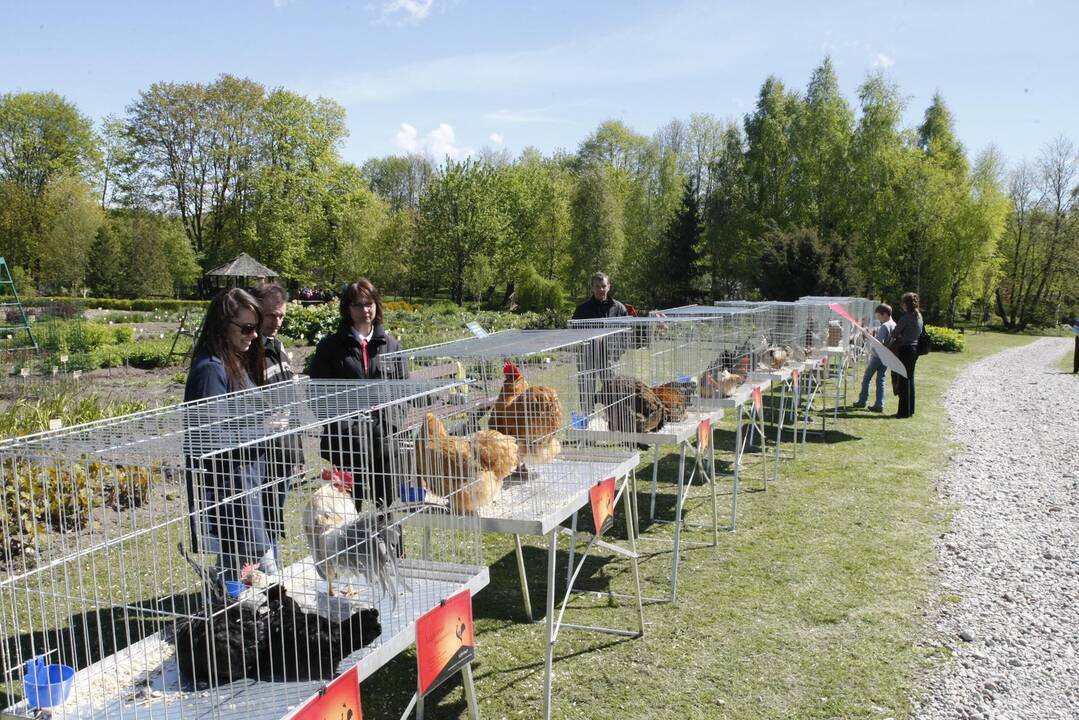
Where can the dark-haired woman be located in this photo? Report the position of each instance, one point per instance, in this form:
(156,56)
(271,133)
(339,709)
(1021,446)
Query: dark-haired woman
(356,351)
(904,343)
(229,500)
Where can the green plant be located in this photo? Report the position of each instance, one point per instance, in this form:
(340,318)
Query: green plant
(128,486)
(537,294)
(945,339)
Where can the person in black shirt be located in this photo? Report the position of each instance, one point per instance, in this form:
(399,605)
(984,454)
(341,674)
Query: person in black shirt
(601,304)
(594,362)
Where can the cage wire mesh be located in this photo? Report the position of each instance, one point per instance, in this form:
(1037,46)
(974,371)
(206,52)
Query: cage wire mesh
(223,558)
(739,344)
(784,328)
(529,390)
(659,362)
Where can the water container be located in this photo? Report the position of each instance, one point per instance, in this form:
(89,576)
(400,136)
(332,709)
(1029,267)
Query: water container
(47,685)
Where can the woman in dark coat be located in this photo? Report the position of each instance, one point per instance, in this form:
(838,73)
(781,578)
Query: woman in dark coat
(227,359)
(357,351)
(904,343)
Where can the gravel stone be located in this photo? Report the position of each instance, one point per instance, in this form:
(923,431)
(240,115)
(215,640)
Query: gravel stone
(1010,554)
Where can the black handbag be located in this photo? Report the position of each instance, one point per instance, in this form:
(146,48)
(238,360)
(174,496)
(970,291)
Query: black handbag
(924,343)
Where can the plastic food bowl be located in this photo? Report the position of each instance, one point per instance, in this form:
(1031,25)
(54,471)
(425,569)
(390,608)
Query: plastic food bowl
(47,685)
(235,588)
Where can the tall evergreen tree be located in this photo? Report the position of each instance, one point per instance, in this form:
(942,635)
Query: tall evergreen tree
(678,261)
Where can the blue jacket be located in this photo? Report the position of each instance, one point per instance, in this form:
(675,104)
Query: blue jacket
(207,378)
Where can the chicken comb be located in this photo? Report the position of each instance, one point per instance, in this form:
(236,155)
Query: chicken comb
(341,478)
(511,369)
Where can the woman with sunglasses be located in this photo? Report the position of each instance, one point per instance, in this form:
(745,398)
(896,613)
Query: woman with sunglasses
(357,352)
(232,500)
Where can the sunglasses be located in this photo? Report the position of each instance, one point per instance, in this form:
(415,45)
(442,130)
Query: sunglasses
(246,328)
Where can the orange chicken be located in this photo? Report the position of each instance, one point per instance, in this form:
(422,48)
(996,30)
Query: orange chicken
(469,471)
(532,414)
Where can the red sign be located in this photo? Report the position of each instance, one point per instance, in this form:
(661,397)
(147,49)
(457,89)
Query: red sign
(704,434)
(340,700)
(445,641)
(758,400)
(796,376)
(824,362)
(602,497)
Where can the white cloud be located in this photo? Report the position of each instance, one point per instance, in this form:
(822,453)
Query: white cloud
(414,10)
(883,61)
(496,138)
(407,138)
(439,143)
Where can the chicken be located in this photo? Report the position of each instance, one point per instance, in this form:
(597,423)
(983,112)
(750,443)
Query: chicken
(631,406)
(469,471)
(532,414)
(717,383)
(675,397)
(776,357)
(344,541)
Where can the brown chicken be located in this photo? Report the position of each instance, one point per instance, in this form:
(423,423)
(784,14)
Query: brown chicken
(532,414)
(720,383)
(469,471)
(674,399)
(776,357)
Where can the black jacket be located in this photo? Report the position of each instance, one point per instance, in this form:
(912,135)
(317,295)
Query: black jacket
(278,367)
(340,357)
(592,309)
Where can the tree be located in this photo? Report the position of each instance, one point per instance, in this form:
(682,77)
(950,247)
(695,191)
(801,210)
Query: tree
(460,220)
(107,265)
(598,233)
(769,153)
(821,143)
(727,218)
(72,217)
(44,140)
(1041,242)
(678,263)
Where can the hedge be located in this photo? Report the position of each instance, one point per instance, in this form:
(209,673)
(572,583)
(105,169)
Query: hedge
(945,339)
(140,304)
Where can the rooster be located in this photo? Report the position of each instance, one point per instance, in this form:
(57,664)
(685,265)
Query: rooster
(344,541)
(469,471)
(532,414)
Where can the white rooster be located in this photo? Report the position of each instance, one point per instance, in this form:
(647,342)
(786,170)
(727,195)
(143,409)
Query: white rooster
(345,542)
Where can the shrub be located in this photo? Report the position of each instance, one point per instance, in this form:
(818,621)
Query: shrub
(310,322)
(945,339)
(138,304)
(537,294)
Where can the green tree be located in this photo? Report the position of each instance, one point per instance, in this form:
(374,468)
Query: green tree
(461,218)
(72,217)
(770,158)
(678,267)
(727,221)
(107,263)
(598,233)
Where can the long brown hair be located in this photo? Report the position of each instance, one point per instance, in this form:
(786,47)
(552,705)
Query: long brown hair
(910,299)
(214,340)
(360,291)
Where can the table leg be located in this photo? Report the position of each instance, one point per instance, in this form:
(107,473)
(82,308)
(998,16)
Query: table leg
(523,577)
(548,660)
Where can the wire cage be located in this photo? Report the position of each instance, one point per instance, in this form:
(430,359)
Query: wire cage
(784,327)
(538,390)
(739,347)
(225,557)
(536,387)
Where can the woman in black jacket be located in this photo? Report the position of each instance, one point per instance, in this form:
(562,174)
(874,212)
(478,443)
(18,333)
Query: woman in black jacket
(904,343)
(357,351)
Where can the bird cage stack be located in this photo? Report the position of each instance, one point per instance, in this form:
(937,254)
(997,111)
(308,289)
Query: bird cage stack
(206,560)
(530,394)
(653,400)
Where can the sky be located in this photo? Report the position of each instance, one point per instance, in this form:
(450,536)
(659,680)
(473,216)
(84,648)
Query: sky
(449,77)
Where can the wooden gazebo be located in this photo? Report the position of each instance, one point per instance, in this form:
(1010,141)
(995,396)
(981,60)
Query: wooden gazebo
(239,271)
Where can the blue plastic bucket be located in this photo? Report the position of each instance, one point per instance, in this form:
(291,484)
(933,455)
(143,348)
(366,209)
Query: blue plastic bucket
(578,421)
(47,685)
(412,493)
(235,588)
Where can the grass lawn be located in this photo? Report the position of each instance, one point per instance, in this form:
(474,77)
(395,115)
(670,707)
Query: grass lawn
(813,609)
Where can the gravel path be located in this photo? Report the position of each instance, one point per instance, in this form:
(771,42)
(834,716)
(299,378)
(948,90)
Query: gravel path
(1009,566)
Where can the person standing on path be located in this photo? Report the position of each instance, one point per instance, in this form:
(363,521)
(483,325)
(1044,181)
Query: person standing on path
(601,304)
(904,343)
(875,367)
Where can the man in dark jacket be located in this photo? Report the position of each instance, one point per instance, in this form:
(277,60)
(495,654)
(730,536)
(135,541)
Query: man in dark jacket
(601,304)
